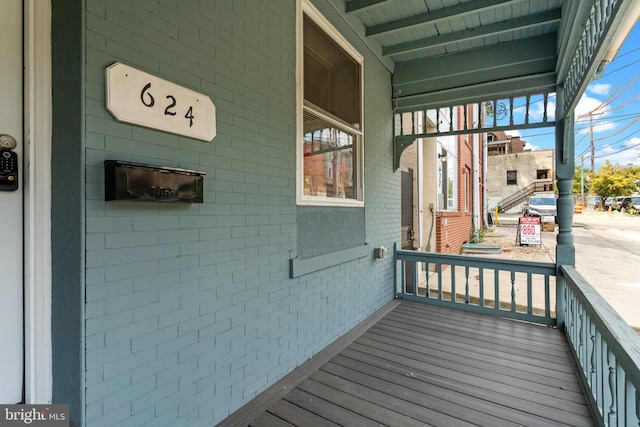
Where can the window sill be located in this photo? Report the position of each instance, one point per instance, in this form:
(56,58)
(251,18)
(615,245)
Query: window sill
(321,201)
(299,267)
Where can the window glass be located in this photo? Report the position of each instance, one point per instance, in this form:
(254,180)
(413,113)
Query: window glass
(512,177)
(330,151)
(329,167)
(447,167)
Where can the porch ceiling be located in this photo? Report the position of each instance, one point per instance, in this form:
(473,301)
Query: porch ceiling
(453,52)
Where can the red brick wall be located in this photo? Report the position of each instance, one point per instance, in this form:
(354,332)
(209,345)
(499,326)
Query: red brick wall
(454,228)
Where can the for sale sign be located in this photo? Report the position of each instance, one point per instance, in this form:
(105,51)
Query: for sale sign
(529,230)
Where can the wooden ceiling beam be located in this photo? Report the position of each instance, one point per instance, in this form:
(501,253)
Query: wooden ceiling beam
(356,5)
(510,25)
(431,17)
(483,61)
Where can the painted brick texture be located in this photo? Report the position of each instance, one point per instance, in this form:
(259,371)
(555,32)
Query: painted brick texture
(190,311)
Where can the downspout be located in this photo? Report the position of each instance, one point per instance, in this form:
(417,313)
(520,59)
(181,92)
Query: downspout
(485,173)
(476,166)
(420,191)
(485,208)
(476,184)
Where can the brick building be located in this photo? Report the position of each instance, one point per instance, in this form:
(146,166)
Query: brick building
(447,187)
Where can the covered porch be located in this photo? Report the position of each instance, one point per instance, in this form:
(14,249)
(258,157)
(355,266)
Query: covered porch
(444,352)
(447,352)
(421,365)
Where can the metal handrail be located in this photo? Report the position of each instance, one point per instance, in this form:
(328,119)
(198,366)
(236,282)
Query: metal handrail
(517,197)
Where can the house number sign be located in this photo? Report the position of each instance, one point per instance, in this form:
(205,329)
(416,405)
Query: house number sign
(143,99)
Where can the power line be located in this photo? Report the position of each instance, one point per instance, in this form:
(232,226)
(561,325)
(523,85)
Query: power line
(608,118)
(621,68)
(618,152)
(618,141)
(622,55)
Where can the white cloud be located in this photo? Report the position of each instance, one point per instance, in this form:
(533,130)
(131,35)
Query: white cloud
(599,88)
(531,147)
(588,105)
(537,111)
(616,155)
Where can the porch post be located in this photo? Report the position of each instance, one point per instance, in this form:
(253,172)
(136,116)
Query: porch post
(565,169)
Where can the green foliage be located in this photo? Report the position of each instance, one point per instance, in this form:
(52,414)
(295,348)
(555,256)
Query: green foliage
(477,235)
(614,180)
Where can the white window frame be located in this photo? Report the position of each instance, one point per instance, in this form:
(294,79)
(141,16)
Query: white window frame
(448,146)
(306,8)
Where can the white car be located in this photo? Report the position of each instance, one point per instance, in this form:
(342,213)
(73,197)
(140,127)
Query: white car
(541,205)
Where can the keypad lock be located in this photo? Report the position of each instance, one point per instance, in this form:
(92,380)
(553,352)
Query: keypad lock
(8,170)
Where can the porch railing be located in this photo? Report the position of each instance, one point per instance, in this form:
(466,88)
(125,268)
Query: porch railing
(606,350)
(604,347)
(506,288)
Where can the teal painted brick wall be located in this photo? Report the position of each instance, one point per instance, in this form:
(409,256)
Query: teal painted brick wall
(190,311)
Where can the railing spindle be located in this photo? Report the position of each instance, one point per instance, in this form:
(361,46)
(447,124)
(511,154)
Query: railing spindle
(638,406)
(496,290)
(580,337)
(439,281)
(511,111)
(449,270)
(529,294)
(547,297)
(513,291)
(427,290)
(612,388)
(453,282)
(481,285)
(592,372)
(466,285)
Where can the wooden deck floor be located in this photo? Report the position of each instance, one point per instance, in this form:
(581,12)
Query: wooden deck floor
(425,365)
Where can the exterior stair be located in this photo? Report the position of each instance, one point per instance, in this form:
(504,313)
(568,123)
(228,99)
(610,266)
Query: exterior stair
(521,195)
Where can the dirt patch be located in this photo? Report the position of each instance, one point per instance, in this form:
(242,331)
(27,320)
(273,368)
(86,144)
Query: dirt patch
(505,237)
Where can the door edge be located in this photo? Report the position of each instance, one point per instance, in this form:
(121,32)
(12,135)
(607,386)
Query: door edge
(37,201)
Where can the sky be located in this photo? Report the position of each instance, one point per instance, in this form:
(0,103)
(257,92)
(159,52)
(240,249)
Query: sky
(610,108)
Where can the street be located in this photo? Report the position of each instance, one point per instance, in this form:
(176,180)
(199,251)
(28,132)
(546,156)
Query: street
(608,256)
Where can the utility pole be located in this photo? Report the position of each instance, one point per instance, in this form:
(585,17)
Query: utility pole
(591,144)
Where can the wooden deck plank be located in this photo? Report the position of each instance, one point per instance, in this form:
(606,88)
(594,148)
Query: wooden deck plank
(516,337)
(511,398)
(344,396)
(492,382)
(489,340)
(492,363)
(489,326)
(328,410)
(482,349)
(444,385)
(298,416)
(424,365)
(420,406)
(435,391)
(469,350)
(267,419)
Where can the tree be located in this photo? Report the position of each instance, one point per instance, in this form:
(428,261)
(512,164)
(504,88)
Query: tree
(614,180)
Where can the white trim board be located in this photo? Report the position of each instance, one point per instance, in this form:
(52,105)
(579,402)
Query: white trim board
(37,215)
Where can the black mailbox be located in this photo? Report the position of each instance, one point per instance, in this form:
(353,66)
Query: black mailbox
(137,181)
